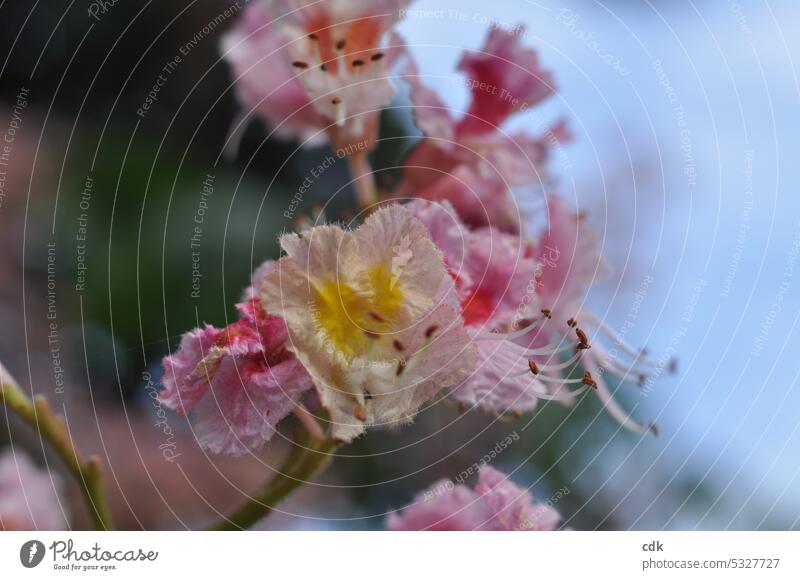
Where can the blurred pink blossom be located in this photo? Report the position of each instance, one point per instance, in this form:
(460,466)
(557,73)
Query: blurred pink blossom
(238,382)
(472,162)
(316,68)
(29,496)
(496,504)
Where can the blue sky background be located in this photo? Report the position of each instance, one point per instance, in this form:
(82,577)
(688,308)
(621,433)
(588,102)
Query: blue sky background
(722,246)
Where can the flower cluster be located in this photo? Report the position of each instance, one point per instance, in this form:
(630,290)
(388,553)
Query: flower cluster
(496,504)
(443,295)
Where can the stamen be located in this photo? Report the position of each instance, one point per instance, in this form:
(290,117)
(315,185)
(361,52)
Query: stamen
(572,323)
(618,341)
(341,44)
(377,56)
(547,312)
(589,381)
(401,366)
(341,111)
(358,62)
(557,397)
(313,37)
(581,336)
(610,404)
(534,368)
(429,332)
(398,345)
(535,325)
(360,413)
(300,64)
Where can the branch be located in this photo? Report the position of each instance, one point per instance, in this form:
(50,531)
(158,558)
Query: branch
(307,459)
(38,414)
(363,179)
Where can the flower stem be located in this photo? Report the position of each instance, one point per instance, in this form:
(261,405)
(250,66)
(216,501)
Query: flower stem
(39,415)
(363,179)
(307,459)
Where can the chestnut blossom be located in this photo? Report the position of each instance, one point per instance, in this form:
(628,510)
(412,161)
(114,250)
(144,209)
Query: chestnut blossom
(313,68)
(367,318)
(471,161)
(29,496)
(496,504)
(521,301)
(237,382)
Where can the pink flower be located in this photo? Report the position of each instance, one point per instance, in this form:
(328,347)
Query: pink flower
(496,504)
(238,382)
(367,320)
(29,496)
(520,302)
(472,162)
(313,68)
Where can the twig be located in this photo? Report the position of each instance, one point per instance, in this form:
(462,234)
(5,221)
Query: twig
(39,415)
(307,459)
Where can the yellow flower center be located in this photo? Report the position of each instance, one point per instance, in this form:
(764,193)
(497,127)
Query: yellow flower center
(352,317)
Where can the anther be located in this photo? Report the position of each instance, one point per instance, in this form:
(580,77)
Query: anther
(431,330)
(572,323)
(374,315)
(300,64)
(588,380)
(398,345)
(533,366)
(377,56)
(653,429)
(547,312)
(673,366)
(340,45)
(358,62)
(371,333)
(401,366)
(322,67)
(313,37)
(582,336)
